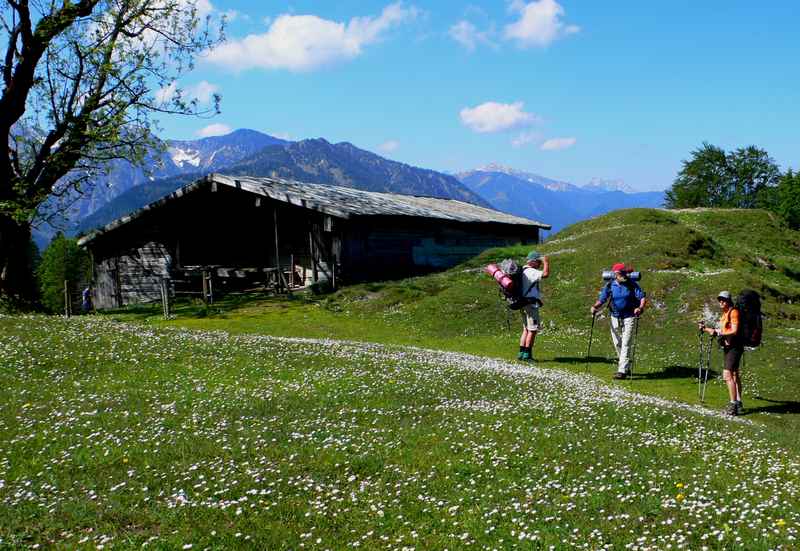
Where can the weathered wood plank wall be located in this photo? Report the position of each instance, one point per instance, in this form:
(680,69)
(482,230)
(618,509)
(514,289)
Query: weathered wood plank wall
(233,229)
(385,248)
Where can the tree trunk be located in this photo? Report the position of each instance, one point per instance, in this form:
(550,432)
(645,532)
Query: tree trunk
(16,277)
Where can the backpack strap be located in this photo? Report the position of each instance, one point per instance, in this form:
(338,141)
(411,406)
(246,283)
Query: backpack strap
(610,298)
(531,286)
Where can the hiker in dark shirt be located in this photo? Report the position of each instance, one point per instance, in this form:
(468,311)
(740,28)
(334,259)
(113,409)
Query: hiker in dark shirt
(86,299)
(627,302)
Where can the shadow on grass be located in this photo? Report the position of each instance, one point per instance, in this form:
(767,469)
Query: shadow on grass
(778,406)
(674,372)
(583,359)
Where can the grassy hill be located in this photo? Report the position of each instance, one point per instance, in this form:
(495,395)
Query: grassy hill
(687,257)
(125,433)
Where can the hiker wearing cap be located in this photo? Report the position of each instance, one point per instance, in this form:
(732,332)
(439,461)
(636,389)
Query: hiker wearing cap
(627,302)
(732,349)
(537,268)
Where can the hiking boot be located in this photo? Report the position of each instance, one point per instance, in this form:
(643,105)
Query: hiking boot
(739,408)
(730,409)
(620,375)
(525,357)
(520,355)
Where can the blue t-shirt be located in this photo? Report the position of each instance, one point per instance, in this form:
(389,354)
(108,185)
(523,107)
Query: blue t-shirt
(625,298)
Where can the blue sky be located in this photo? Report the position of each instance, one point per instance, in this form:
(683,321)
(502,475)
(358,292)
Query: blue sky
(567,89)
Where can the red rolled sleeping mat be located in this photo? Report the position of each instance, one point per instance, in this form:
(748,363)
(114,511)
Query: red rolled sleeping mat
(499,276)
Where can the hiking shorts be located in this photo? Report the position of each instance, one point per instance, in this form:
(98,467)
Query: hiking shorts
(732,358)
(530,317)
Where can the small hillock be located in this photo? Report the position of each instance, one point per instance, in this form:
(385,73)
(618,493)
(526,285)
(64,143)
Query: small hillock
(686,257)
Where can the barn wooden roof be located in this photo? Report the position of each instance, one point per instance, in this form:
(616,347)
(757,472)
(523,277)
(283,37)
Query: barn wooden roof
(337,201)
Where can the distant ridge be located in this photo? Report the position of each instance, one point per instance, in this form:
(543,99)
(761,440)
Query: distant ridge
(559,203)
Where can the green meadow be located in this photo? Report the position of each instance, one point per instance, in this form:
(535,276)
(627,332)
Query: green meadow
(394,415)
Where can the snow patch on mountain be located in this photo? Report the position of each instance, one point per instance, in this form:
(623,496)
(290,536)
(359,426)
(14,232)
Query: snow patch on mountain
(183,157)
(596,184)
(545,182)
(601,184)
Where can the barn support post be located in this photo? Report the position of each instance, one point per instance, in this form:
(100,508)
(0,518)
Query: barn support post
(311,251)
(320,251)
(205,286)
(281,279)
(291,270)
(165,296)
(67,305)
(117,282)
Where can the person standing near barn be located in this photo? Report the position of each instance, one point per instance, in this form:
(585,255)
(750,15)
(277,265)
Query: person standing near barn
(86,299)
(537,268)
(627,301)
(732,349)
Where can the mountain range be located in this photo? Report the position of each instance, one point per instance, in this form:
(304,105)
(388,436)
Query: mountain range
(555,202)
(315,161)
(247,152)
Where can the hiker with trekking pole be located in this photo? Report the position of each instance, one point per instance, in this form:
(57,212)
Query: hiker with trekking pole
(732,349)
(627,301)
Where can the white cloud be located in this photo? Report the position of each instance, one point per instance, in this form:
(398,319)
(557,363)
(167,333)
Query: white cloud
(525,138)
(203,91)
(557,144)
(217,129)
(389,146)
(495,117)
(468,35)
(166,93)
(306,42)
(540,23)
(232,15)
(204,7)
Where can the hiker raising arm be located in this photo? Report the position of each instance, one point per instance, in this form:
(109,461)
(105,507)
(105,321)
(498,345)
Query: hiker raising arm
(537,267)
(545,267)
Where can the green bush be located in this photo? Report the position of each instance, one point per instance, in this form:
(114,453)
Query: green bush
(62,261)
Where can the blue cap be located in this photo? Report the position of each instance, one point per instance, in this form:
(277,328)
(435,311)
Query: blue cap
(533,255)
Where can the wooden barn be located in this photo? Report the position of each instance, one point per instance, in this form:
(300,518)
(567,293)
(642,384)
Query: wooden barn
(222,234)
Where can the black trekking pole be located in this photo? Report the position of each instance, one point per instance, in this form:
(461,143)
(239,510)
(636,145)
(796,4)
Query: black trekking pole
(591,333)
(707,366)
(635,338)
(700,364)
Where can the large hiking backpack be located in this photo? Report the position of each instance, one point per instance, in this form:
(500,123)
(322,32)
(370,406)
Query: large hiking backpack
(513,294)
(509,276)
(750,326)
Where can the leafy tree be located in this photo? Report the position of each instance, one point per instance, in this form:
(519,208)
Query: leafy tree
(753,172)
(787,199)
(82,82)
(701,181)
(714,178)
(62,261)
